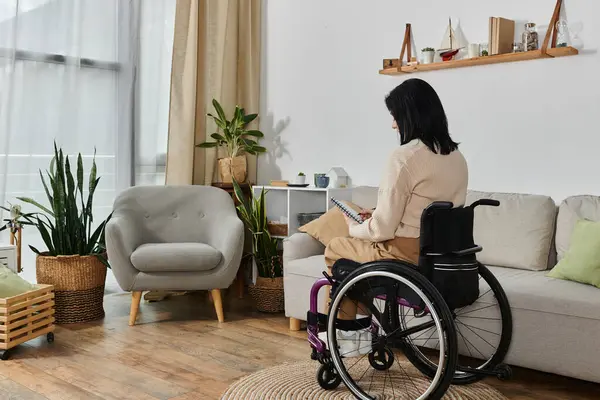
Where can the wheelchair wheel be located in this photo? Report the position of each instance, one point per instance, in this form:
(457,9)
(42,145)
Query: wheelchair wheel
(376,289)
(484,333)
(328,377)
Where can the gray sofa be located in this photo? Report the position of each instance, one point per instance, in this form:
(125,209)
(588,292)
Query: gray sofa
(556,323)
(174,238)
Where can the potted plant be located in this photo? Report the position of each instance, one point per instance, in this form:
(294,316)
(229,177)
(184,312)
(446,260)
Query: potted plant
(267,292)
(427,55)
(15,226)
(75,259)
(235,138)
(300,179)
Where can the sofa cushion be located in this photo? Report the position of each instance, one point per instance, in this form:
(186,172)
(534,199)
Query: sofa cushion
(570,211)
(329,226)
(311,267)
(534,291)
(175,257)
(581,263)
(12,284)
(518,233)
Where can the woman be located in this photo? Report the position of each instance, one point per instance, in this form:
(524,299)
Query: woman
(427,167)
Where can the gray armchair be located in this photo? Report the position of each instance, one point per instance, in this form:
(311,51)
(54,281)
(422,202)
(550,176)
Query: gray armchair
(174,238)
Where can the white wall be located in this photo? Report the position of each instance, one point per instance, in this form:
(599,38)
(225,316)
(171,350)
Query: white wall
(524,127)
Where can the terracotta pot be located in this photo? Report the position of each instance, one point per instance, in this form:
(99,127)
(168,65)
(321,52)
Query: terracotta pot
(268,294)
(78,286)
(236,167)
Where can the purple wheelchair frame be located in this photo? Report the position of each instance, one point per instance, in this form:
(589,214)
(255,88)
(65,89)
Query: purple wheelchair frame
(313,329)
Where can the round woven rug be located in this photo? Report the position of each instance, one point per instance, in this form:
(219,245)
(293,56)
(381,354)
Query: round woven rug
(298,381)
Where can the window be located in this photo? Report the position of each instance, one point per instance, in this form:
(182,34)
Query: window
(92,75)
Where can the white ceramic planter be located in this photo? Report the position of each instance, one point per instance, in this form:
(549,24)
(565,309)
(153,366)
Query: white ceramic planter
(427,57)
(300,180)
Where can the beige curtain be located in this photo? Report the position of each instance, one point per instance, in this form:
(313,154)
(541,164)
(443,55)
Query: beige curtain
(216,54)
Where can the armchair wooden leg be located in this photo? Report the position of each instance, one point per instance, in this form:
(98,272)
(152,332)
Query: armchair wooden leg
(295,324)
(216,296)
(135,306)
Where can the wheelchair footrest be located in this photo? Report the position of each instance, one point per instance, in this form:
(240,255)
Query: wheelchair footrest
(344,325)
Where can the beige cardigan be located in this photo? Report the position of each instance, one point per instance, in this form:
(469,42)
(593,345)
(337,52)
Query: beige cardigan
(414,178)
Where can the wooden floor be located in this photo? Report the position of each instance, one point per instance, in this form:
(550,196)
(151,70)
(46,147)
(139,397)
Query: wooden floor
(178,351)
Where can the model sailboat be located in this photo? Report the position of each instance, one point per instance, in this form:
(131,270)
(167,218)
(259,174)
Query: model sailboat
(452,42)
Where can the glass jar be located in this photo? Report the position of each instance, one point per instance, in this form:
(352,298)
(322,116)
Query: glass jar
(530,37)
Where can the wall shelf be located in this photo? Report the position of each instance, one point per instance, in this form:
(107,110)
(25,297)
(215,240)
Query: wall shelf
(547,49)
(470,62)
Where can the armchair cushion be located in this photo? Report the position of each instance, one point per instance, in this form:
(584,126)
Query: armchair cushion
(175,257)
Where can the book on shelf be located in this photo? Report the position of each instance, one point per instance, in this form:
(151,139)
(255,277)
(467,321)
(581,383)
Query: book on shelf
(501,35)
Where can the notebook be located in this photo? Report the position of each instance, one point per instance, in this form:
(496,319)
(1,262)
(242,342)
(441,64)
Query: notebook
(347,210)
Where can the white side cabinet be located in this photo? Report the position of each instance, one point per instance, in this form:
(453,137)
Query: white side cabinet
(8,256)
(285,203)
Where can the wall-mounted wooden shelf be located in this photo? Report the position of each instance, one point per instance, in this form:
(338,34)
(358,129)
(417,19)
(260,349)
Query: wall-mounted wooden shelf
(548,49)
(470,62)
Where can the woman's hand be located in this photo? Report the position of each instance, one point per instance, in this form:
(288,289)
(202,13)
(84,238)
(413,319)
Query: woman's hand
(365,214)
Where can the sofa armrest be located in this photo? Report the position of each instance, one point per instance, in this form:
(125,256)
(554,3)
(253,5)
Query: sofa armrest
(122,238)
(301,245)
(228,238)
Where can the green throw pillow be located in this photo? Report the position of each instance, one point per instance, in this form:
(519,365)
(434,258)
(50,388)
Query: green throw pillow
(581,262)
(12,284)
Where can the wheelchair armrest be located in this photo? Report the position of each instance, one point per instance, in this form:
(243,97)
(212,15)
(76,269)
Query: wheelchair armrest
(437,205)
(469,251)
(485,202)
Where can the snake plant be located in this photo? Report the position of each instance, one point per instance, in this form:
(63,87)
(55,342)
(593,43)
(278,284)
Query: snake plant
(264,248)
(66,225)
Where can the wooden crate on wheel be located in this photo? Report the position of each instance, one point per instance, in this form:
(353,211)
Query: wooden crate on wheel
(26,317)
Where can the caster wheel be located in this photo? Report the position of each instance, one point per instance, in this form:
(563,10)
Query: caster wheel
(381,360)
(328,377)
(504,372)
(50,337)
(4,355)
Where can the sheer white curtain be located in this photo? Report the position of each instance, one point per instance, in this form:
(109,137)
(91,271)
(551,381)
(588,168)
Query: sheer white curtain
(88,74)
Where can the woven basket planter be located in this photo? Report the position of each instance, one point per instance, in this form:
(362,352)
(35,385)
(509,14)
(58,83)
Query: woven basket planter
(236,167)
(78,286)
(267,294)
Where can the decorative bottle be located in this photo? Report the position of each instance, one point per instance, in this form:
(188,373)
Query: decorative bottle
(530,37)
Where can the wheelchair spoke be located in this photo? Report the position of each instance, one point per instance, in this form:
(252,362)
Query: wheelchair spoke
(401,368)
(480,329)
(429,338)
(481,337)
(464,340)
(468,341)
(485,318)
(391,383)
(478,309)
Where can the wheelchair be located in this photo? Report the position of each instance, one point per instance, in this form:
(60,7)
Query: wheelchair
(414,330)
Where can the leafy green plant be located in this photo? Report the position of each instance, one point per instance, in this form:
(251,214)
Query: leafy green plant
(301,174)
(232,134)
(428,49)
(264,247)
(484,53)
(66,229)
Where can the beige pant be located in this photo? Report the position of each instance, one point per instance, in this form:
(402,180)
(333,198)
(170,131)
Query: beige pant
(400,248)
